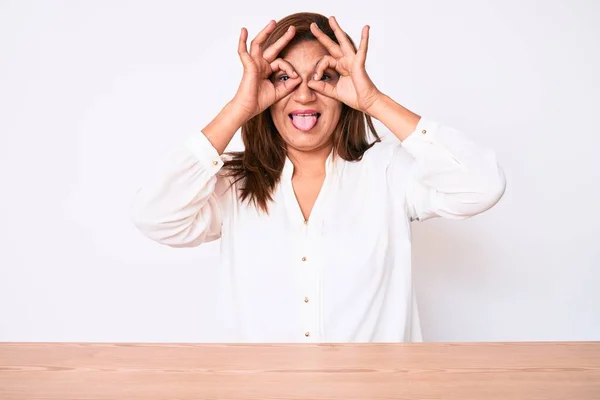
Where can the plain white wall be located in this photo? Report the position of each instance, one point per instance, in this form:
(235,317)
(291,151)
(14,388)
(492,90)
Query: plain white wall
(93,93)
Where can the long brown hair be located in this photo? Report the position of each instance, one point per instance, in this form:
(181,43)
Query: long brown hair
(260,165)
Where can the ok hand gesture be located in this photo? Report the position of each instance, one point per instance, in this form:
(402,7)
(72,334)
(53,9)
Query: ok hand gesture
(354,87)
(256,92)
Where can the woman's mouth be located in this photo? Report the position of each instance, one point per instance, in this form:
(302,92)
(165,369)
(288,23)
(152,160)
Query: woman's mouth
(304,120)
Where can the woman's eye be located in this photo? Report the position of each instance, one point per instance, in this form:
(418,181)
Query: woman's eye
(283,78)
(326,77)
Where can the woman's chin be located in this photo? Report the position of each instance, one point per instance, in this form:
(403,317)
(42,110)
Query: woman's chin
(306,141)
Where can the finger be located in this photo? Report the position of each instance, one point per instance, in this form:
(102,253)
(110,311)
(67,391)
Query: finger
(257,42)
(325,88)
(322,65)
(332,47)
(364,45)
(282,65)
(273,50)
(345,44)
(283,88)
(242,49)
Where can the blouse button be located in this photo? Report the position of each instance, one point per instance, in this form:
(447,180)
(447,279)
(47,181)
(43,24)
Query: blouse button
(215,163)
(306,299)
(303,258)
(424,131)
(307,334)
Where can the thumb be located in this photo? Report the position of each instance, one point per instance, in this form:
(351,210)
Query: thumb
(326,89)
(284,88)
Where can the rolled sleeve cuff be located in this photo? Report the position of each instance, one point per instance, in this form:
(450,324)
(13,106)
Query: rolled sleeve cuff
(418,143)
(204,151)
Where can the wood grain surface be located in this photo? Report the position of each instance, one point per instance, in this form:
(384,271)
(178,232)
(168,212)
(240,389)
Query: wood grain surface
(147,371)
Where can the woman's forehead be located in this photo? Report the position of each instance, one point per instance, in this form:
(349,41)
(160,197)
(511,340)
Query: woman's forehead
(305,53)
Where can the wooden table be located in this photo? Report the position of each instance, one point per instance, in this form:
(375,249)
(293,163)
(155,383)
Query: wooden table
(131,371)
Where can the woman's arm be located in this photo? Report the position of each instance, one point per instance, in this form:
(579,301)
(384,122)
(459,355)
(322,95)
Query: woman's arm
(180,205)
(451,176)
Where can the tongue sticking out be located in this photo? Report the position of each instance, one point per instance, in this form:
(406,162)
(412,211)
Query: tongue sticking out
(304,122)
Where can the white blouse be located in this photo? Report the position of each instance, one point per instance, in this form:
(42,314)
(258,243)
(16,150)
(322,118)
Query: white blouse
(344,275)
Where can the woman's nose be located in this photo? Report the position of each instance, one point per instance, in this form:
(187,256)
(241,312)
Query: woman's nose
(303,93)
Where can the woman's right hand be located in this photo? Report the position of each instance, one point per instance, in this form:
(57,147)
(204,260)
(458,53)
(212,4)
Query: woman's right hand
(257,92)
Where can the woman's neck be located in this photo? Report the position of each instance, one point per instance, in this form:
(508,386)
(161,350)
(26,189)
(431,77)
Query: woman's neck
(309,164)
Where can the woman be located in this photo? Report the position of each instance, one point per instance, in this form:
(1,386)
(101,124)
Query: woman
(314,219)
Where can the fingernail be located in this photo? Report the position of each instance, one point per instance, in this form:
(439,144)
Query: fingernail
(290,28)
(315,76)
(294,74)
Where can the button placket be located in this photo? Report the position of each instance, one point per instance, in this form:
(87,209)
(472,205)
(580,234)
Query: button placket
(307,265)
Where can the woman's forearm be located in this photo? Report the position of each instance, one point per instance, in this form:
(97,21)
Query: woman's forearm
(398,119)
(221,129)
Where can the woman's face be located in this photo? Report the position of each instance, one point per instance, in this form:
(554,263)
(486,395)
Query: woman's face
(306,119)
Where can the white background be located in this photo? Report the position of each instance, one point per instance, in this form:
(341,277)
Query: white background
(93,93)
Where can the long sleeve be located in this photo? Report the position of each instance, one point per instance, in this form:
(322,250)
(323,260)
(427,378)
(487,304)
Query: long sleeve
(451,176)
(180,206)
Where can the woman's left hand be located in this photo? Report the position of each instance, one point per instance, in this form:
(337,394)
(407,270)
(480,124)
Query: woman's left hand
(354,87)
